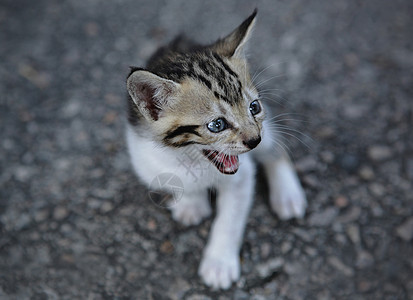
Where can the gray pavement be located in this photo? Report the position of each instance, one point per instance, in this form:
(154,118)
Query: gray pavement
(76,224)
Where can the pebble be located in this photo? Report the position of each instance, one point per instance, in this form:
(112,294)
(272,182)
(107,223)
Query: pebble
(327,156)
(341,201)
(353,233)
(377,189)
(265,250)
(326,132)
(352,215)
(23,173)
(405,230)
(348,162)
(364,286)
(340,266)
(311,180)
(41,215)
(106,207)
(364,259)
(152,225)
(178,289)
(60,213)
(323,218)
(379,152)
(366,173)
(306,164)
(286,247)
(167,247)
(269,267)
(198,297)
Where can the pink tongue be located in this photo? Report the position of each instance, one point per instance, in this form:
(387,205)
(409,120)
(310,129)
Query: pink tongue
(229,161)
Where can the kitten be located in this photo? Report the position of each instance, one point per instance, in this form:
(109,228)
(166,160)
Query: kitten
(194,112)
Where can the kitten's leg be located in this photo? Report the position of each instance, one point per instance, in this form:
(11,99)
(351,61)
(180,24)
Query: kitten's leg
(220,265)
(192,208)
(287,197)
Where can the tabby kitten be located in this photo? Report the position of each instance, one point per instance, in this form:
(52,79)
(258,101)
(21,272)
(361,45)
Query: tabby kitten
(196,103)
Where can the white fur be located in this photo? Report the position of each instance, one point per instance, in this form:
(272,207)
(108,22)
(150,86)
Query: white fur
(220,265)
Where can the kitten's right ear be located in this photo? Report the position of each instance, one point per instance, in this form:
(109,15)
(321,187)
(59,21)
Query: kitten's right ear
(234,43)
(150,92)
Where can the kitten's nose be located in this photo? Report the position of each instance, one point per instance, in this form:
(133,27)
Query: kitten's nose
(252,143)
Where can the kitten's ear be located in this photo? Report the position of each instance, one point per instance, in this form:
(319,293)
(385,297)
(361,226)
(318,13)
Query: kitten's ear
(150,92)
(234,43)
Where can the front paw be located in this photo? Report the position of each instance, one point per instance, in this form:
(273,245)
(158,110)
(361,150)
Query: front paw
(289,200)
(219,272)
(191,213)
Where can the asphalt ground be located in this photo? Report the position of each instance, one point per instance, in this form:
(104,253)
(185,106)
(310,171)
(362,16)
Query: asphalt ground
(76,224)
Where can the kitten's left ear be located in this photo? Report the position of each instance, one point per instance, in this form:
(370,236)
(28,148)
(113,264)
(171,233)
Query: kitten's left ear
(234,43)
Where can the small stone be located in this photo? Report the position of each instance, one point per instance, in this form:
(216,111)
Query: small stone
(265,250)
(353,233)
(341,201)
(178,289)
(340,266)
(242,295)
(377,189)
(41,215)
(306,164)
(405,230)
(198,297)
(167,247)
(364,286)
(327,156)
(91,29)
(286,247)
(325,132)
(379,152)
(311,180)
(110,117)
(366,173)
(303,234)
(60,213)
(23,173)
(269,267)
(106,207)
(364,259)
(349,162)
(311,251)
(152,225)
(323,218)
(352,215)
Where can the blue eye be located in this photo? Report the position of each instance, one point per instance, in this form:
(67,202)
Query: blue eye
(255,107)
(217,125)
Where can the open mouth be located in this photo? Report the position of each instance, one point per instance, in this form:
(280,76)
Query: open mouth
(226,164)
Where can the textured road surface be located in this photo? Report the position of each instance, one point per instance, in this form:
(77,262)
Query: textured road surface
(76,224)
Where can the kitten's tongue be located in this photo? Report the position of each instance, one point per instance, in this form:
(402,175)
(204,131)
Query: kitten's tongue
(227,164)
(230,162)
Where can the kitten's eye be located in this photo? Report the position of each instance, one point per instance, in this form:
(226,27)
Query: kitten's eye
(217,125)
(255,107)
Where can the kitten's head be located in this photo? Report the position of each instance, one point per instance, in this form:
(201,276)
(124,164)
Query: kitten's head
(203,97)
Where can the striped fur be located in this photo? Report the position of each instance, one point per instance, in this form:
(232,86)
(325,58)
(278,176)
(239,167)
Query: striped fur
(185,86)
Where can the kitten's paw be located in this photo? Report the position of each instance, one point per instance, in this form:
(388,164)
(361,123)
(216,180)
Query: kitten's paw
(289,200)
(219,272)
(191,213)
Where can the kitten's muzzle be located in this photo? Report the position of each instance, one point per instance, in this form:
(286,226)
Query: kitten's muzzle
(251,144)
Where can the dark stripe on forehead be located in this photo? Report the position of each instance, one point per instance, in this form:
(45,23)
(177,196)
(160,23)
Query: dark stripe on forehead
(205,81)
(191,129)
(226,67)
(222,97)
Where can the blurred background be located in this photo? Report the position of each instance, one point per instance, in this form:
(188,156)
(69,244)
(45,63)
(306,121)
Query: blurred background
(76,224)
